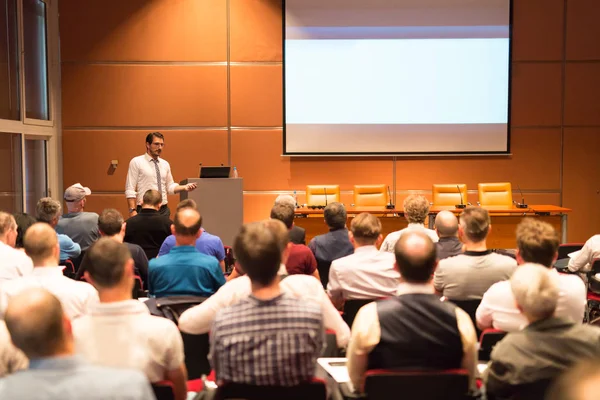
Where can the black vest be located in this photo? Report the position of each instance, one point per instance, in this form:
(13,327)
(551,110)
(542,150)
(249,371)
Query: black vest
(418,331)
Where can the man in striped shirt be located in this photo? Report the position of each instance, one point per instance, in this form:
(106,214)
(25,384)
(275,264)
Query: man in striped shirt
(270,338)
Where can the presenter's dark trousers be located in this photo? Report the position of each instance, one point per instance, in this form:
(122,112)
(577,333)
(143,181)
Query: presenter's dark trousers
(163,210)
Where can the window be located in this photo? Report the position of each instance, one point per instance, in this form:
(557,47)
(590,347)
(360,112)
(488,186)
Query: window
(11,173)
(9,61)
(35,60)
(36,181)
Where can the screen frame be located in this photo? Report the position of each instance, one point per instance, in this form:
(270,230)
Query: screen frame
(403,154)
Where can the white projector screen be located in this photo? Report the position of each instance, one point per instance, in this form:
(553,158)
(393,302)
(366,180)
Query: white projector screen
(396,77)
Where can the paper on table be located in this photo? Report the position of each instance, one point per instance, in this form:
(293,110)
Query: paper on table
(335,367)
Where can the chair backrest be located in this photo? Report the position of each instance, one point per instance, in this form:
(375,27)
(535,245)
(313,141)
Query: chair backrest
(495,194)
(313,390)
(566,248)
(316,194)
(595,266)
(449,194)
(351,308)
(470,307)
(422,385)
(323,267)
(229,259)
(370,195)
(138,288)
(163,390)
(488,339)
(69,270)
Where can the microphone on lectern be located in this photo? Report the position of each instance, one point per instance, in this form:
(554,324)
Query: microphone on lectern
(522,203)
(462,203)
(390,205)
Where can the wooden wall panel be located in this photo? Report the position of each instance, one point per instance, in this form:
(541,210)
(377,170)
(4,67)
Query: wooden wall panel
(256,95)
(144,95)
(536,94)
(112,30)
(582,99)
(87,154)
(583,30)
(256,30)
(538,35)
(581,190)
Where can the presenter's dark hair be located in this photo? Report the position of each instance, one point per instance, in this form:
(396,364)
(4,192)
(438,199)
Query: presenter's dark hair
(150,137)
(258,251)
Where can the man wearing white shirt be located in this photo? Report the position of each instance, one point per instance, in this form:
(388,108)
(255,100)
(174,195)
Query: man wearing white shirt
(583,260)
(199,319)
(366,274)
(416,209)
(149,171)
(41,244)
(13,263)
(537,242)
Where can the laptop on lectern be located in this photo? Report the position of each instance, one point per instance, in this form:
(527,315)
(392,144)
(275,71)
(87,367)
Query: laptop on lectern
(214,172)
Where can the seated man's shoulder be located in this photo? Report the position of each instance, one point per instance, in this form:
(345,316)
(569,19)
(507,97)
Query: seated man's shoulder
(571,284)
(116,377)
(502,259)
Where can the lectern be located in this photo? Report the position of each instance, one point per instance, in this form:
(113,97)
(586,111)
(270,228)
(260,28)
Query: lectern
(221,204)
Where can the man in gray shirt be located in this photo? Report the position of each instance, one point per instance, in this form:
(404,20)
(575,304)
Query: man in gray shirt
(469,275)
(39,328)
(79,225)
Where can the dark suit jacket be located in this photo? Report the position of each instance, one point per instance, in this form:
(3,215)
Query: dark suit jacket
(298,235)
(148,229)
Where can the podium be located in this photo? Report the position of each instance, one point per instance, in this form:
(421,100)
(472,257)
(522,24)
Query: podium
(221,204)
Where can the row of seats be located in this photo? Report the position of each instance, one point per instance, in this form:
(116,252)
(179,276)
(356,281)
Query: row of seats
(490,194)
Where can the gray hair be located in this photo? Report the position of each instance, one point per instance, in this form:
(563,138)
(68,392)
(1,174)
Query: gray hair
(535,290)
(285,199)
(47,209)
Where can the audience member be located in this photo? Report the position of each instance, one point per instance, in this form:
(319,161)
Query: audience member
(11,358)
(334,244)
(79,225)
(271,337)
(297,233)
(185,271)
(548,345)
(120,331)
(42,331)
(41,244)
(581,382)
(416,209)
(48,211)
(112,225)
(468,275)
(148,229)
(208,244)
(582,262)
(300,260)
(537,242)
(199,319)
(13,263)
(24,221)
(446,227)
(414,329)
(366,274)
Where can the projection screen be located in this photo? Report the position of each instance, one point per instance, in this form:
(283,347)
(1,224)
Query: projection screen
(396,77)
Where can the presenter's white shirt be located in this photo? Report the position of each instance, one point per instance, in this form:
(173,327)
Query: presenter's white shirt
(498,308)
(76,297)
(141,177)
(392,238)
(13,263)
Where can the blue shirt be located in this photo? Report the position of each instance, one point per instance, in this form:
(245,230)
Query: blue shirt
(208,244)
(184,272)
(68,248)
(71,378)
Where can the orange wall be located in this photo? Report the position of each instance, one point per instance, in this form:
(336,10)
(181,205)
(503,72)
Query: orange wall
(207,73)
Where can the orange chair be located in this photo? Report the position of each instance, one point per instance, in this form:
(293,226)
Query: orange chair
(449,194)
(370,196)
(495,194)
(321,195)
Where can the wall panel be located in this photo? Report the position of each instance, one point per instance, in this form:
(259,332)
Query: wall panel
(256,95)
(583,30)
(256,27)
(538,35)
(582,99)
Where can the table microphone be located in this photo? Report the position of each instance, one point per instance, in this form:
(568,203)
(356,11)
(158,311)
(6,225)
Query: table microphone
(522,203)
(390,205)
(462,203)
(325,190)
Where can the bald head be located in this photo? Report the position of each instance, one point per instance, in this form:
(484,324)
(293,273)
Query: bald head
(41,244)
(446,224)
(187,222)
(37,324)
(416,257)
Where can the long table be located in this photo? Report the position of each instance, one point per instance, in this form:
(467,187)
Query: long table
(502,235)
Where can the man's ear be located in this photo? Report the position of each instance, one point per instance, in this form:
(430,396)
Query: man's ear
(519,257)
(379,241)
(123,228)
(172,229)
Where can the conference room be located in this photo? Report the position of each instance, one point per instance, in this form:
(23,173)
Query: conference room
(228,105)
